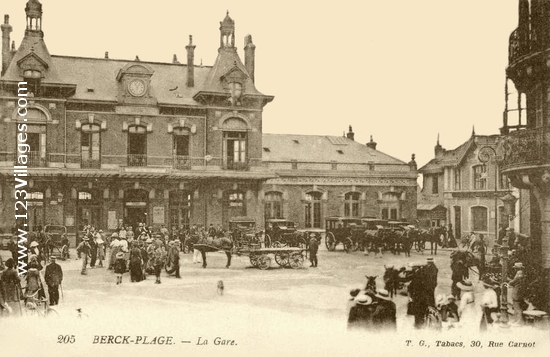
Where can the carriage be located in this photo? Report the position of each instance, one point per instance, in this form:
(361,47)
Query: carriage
(292,257)
(343,230)
(283,233)
(53,242)
(243,232)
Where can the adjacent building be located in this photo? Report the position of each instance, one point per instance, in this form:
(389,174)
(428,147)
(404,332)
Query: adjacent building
(468,187)
(321,176)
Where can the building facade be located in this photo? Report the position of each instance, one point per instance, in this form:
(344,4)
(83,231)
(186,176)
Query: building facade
(526,136)
(322,176)
(468,188)
(111,141)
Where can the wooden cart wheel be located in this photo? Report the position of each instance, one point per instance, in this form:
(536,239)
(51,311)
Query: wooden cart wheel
(267,241)
(330,241)
(296,260)
(254,260)
(264,262)
(348,244)
(282,259)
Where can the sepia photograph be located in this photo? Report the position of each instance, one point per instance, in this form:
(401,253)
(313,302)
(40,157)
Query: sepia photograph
(275,178)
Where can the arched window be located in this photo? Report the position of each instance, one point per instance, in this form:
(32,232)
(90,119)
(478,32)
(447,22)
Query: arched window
(235,139)
(313,210)
(351,204)
(390,206)
(273,205)
(479,219)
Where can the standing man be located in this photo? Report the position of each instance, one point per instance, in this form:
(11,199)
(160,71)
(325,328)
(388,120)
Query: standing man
(313,249)
(459,273)
(431,280)
(516,286)
(12,247)
(93,247)
(174,254)
(84,250)
(9,281)
(53,277)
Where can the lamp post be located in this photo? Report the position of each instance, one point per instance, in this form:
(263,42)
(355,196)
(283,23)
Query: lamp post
(509,207)
(484,156)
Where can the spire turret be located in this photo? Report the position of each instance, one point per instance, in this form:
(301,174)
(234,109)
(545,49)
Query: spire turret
(33,9)
(227,32)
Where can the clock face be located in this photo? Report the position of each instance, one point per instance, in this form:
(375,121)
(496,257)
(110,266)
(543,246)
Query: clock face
(136,88)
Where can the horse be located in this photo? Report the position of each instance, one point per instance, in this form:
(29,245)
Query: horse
(371,284)
(213,245)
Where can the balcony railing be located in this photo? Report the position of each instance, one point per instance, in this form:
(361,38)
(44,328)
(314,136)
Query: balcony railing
(524,148)
(237,166)
(181,162)
(37,159)
(90,164)
(137,160)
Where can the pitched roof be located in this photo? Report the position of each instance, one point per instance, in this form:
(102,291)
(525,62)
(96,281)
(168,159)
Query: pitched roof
(456,156)
(319,148)
(100,74)
(429,207)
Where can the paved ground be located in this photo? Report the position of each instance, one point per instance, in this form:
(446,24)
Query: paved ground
(274,311)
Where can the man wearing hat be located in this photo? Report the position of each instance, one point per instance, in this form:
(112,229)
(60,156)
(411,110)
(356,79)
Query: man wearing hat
(313,249)
(516,285)
(360,314)
(431,272)
(53,277)
(84,250)
(489,303)
(384,316)
(9,281)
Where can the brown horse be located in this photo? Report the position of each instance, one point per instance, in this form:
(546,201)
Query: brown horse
(214,245)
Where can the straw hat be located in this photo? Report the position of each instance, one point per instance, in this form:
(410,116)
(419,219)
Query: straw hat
(34,244)
(363,299)
(518,265)
(383,294)
(465,285)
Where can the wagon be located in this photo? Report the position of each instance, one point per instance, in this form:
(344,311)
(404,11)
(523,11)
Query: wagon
(292,257)
(53,242)
(339,230)
(282,233)
(243,232)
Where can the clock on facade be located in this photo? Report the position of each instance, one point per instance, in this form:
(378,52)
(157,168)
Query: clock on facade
(136,87)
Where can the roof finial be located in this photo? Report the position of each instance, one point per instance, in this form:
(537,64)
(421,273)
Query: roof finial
(137,58)
(473,130)
(437,138)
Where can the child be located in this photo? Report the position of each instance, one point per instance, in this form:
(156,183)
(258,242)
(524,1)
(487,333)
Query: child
(120,267)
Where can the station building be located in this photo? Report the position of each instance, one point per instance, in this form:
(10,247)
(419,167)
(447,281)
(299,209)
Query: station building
(126,141)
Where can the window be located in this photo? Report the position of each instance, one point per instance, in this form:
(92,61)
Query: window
(480,177)
(393,214)
(273,205)
(36,139)
(313,210)
(84,196)
(351,204)
(236,199)
(390,205)
(385,213)
(137,145)
(458,180)
(479,219)
(180,208)
(504,182)
(180,148)
(90,146)
(234,150)
(435,184)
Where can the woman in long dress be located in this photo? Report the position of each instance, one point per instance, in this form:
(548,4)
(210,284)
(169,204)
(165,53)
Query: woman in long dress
(468,310)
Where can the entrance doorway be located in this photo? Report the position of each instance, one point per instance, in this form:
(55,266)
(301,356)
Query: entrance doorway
(135,207)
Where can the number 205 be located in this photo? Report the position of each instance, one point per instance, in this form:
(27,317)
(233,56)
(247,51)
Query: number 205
(65,339)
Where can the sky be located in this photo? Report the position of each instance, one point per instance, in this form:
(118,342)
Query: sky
(402,71)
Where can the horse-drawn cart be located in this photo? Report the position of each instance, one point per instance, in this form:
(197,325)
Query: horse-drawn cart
(292,257)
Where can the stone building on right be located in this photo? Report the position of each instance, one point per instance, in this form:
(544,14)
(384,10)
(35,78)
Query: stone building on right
(525,141)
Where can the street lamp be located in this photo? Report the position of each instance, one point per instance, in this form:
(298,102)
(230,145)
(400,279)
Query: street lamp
(509,207)
(484,156)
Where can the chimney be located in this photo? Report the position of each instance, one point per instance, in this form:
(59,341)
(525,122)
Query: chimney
(438,149)
(190,62)
(350,135)
(6,55)
(249,49)
(412,163)
(106,54)
(371,144)
(175,59)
